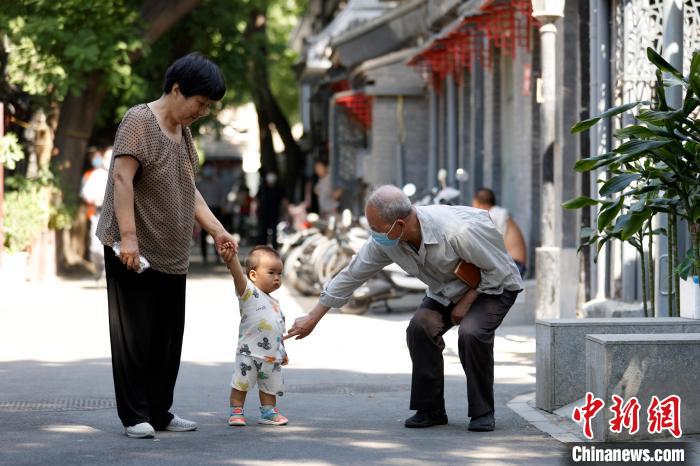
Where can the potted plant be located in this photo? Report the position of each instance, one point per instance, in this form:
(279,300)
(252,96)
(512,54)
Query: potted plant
(656,169)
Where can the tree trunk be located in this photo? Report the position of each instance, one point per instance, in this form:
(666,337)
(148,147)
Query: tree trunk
(652,278)
(77,117)
(161,15)
(676,277)
(671,238)
(294,179)
(268,158)
(695,238)
(644,275)
(267,105)
(79,111)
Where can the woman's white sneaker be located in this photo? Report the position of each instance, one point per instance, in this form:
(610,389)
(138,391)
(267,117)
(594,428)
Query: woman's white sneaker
(180,425)
(142,430)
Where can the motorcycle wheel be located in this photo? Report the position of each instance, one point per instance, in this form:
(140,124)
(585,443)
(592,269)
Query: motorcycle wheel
(356,306)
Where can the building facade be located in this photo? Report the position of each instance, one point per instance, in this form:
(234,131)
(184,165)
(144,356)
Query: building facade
(442,84)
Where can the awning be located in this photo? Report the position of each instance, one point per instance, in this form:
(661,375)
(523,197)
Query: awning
(500,24)
(351,17)
(386,33)
(389,75)
(358,104)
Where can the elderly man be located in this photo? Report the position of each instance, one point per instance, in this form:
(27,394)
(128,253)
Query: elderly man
(429,242)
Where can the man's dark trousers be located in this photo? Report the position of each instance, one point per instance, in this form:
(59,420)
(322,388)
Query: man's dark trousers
(476,335)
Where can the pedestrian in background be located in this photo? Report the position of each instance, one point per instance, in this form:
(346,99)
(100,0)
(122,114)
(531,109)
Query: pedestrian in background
(485,199)
(213,192)
(242,209)
(92,192)
(271,202)
(328,198)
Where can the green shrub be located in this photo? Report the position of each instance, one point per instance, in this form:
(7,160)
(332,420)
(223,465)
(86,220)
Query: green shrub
(10,151)
(25,218)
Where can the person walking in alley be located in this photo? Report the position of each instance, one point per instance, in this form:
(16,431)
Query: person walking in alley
(485,199)
(92,192)
(430,242)
(271,202)
(212,190)
(328,198)
(241,210)
(150,207)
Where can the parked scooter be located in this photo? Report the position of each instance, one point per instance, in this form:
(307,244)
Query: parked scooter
(316,255)
(392,282)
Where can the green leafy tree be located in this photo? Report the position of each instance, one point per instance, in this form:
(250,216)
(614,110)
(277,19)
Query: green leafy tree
(249,43)
(95,59)
(656,169)
(71,52)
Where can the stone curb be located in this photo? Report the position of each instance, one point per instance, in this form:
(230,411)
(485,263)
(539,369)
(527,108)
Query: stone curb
(551,424)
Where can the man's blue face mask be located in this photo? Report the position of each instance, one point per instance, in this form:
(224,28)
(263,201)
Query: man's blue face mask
(382,239)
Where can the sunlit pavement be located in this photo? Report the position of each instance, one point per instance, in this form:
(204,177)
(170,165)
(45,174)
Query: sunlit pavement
(347,388)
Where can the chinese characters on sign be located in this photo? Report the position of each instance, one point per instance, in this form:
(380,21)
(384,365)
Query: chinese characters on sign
(661,415)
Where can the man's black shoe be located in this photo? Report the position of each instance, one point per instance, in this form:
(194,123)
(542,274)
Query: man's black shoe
(427,418)
(484,423)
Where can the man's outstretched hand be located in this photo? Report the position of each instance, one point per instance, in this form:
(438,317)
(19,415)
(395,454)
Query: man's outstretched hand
(302,327)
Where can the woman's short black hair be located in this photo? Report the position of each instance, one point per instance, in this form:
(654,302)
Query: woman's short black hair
(195,74)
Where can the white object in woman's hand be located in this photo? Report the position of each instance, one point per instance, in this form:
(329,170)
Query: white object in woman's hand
(128,252)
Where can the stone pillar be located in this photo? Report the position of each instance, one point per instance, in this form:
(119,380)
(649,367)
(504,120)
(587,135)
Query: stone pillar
(553,264)
(433,144)
(599,51)
(672,51)
(451,130)
(476,102)
(465,153)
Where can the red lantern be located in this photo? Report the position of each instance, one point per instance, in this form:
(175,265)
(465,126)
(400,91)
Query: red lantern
(359,105)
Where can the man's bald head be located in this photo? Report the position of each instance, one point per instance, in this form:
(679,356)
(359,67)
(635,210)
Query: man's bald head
(388,203)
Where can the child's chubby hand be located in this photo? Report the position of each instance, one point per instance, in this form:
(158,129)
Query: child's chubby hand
(285,361)
(228,254)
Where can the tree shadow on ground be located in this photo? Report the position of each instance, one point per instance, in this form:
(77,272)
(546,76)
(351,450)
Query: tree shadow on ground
(336,417)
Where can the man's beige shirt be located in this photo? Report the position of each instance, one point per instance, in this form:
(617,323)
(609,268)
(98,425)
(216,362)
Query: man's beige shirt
(449,234)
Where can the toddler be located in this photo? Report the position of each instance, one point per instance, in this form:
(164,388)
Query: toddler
(260,354)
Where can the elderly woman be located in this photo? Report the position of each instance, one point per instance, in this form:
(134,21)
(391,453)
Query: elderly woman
(150,206)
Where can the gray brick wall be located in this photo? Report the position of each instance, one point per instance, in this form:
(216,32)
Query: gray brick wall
(417,127)
(517,155)
(488,125)
(347,140)
(496,140)
(383,166)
